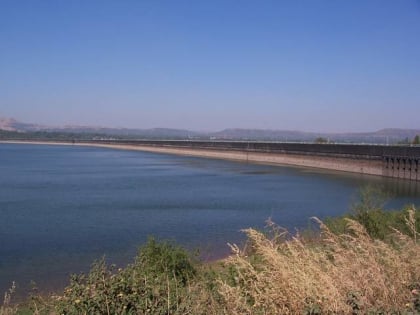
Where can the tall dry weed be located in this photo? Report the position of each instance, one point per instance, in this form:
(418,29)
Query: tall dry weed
(7,308)
(341,274)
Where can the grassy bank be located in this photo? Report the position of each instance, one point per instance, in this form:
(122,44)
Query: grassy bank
(367,262)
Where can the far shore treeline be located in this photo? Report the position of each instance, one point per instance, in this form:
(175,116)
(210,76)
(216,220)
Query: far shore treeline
(167,134)
(58,136)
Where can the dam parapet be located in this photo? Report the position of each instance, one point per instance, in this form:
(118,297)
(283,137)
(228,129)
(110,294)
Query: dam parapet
(394,161)
(397,161)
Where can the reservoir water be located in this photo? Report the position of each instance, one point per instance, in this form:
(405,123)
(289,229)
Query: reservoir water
(61,207)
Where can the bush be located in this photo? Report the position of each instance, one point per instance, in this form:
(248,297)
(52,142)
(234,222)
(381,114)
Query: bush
(379,224)
(156,283)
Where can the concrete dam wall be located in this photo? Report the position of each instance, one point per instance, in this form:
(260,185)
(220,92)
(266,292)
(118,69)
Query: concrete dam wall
(390,161)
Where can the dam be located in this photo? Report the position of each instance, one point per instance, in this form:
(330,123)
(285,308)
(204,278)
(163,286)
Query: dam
(396,161)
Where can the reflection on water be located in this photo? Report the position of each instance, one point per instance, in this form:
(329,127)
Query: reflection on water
(392,186)
(63,207)
(402,188)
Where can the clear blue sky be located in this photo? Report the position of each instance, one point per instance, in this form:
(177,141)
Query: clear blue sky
(314,65)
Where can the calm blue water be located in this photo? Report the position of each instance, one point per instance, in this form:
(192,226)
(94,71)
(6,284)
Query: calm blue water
(61,207)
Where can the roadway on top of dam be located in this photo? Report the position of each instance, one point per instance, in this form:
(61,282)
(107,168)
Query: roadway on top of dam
(365,151)
(397,161)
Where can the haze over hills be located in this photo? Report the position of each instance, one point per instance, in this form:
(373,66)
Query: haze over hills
(10,124)
(389,135)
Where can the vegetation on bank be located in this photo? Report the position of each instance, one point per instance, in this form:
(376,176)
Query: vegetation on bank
(414,141)
(366,262)
(168,134)
(75,136)
(49,136)
(379,223)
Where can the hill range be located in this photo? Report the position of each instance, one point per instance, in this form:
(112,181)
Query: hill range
(390,135)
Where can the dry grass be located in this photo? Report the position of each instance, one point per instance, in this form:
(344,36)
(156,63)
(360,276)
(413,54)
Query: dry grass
(7,308)
(341,274)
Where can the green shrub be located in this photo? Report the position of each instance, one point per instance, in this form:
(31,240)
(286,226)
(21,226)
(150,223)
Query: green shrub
(156,283)
(157,258)
(368,211)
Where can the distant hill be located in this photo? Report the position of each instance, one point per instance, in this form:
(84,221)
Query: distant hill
(389,135)
(10,124)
